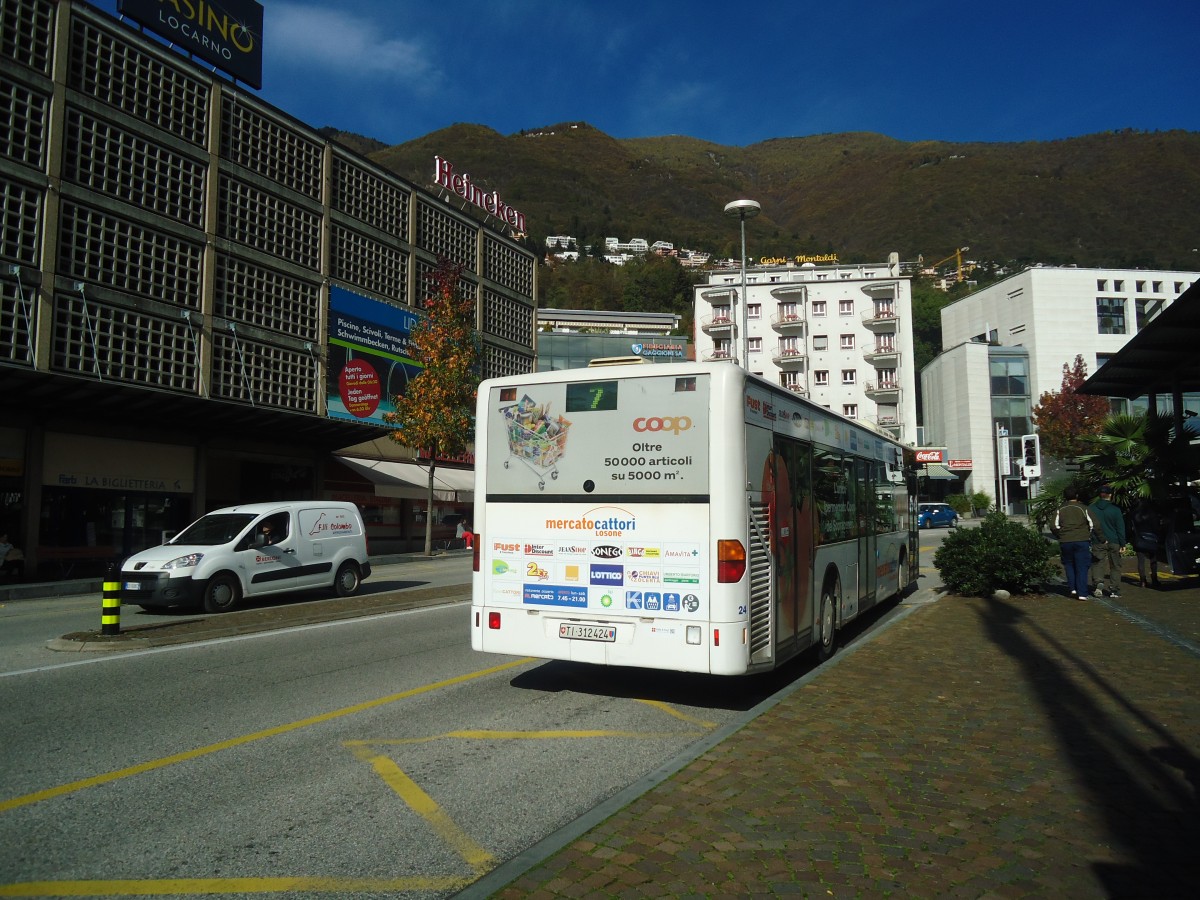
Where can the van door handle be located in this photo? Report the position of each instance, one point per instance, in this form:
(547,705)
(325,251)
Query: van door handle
(290,550)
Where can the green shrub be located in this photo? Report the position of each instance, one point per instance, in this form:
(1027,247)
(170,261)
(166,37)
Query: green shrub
(980,502)
(999,554)
(960,503)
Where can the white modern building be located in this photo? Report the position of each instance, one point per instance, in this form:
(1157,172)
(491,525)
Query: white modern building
(840,335)
(1004,345)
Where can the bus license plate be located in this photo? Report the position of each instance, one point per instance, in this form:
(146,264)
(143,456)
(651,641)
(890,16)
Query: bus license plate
(587,632)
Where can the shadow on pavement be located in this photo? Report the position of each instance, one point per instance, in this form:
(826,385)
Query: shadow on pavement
(1130,786)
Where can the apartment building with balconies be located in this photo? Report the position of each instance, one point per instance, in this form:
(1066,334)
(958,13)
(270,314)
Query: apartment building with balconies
(839,335)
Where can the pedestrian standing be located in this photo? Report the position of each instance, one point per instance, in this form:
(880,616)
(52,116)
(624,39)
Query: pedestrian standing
(1073,525)
(1106,547)
(1146,527)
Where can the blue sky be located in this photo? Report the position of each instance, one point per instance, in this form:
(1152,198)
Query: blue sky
(736,74)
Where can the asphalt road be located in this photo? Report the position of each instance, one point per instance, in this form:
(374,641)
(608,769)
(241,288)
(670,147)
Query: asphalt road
(374,755)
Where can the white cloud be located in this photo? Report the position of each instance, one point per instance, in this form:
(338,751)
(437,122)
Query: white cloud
(343,43)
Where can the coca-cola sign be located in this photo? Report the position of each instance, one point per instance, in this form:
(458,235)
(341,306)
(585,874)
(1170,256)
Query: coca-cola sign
(928,455)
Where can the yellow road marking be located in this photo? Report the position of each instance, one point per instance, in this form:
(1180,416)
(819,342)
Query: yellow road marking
(424,806)
(671,711)
(152,765)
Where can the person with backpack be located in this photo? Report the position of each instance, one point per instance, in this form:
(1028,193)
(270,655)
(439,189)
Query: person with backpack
(1110,538)
(1146,526)
(1074,526)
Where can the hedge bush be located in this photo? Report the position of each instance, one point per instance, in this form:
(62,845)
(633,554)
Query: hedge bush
(999,554)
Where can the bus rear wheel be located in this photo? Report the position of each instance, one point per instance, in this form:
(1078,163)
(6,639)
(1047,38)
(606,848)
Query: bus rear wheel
(828,620)
(902,579)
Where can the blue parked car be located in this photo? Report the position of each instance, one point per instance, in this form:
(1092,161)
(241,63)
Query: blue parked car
(936,515)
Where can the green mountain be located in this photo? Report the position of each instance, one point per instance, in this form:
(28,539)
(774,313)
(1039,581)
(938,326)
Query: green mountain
(1126,198)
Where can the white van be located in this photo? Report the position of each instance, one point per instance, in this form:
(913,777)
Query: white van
(251,551)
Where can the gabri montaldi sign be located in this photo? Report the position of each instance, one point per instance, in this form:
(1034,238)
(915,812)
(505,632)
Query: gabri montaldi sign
(489,201)
(226,33)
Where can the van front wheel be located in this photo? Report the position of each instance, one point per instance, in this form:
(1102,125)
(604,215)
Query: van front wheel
(221,594)
(347,580)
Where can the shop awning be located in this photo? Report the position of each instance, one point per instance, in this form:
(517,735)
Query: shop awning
(939,472)
(410,480)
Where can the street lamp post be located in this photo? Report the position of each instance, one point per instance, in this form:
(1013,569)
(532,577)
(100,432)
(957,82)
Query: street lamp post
(744,209)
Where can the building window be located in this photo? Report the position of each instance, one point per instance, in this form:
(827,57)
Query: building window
(821,376)
(755,345)
(1102,284)
(850,410)
(1156,287)
(845,307)
(1141,286)
(720,314)
(1102,359)
(754,311)
(884,310)
(847,342)
(1110,315)
(789,346)
(1146,310)
(820,342)
(849,376)
(720,349)
(788,312)
(885,343)
(887,378)
(790,380)
(1118,285)
(818,307)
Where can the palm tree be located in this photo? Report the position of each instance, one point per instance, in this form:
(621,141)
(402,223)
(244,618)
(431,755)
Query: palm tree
(1139,455)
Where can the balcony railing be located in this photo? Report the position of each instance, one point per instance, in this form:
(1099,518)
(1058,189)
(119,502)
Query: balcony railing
(788,323)
(719,353)
(881,319)
(877,389)
(879,351)
(800,386)
(716,323)
(788,356)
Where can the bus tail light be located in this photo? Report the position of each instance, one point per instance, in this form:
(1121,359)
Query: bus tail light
(494,620)
(731,561)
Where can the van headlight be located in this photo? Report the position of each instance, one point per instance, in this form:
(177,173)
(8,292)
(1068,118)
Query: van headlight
(184,562)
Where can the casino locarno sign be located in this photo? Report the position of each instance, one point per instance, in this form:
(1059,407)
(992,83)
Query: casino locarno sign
(463,186)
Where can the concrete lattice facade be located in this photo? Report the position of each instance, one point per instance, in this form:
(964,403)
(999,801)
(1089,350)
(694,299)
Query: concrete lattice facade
(168,243)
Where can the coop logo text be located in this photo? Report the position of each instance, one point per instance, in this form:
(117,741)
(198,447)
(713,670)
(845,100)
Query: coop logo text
(674,424)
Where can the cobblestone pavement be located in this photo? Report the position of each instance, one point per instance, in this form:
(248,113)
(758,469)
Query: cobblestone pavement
(1030,747)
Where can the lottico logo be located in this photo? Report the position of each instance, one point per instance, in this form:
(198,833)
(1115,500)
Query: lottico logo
(673,424)
(602,574)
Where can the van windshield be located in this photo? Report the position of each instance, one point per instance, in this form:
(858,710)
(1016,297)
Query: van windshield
(214,529)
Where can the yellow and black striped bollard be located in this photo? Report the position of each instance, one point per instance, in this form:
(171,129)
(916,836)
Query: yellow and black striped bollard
(110,615)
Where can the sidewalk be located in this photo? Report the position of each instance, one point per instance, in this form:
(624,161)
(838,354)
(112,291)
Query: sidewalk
(1030,747)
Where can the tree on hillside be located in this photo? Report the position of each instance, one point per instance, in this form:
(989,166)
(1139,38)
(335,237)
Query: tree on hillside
(1066,418)
(436,415)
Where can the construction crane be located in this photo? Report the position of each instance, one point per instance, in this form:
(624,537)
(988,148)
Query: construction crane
(960,275)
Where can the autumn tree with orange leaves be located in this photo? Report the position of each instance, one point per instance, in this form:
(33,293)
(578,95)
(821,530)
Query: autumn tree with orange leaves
(1065,418)
(436,414)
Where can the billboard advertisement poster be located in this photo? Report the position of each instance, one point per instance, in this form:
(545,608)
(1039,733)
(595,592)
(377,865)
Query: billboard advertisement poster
(369,361)
(225,33)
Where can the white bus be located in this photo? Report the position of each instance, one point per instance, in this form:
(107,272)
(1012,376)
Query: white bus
(683,516)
